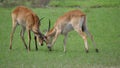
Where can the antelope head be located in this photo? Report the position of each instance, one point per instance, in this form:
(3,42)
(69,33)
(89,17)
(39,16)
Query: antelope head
(49,36)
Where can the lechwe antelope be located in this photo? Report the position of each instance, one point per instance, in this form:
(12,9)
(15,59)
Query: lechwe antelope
(73,20)
(29,21)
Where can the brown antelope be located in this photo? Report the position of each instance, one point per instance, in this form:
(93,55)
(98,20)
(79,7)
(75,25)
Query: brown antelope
(73,20)
(29,21)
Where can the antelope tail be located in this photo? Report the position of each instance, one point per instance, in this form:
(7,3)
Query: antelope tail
(84,26)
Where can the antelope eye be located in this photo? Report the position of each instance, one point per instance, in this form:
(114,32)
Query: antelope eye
(46,37)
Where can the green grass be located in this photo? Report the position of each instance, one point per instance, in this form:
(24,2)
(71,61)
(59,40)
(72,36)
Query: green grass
(85,3)
(102,22)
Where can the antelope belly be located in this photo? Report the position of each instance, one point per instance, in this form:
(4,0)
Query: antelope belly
(67,28)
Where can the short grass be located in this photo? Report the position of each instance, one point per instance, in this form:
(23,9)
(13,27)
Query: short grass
(102,22)
(85,3)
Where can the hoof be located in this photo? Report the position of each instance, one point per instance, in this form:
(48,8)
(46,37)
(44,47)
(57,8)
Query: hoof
(10,48)
(49,48)
(97,50)
(87,51)
(42,44)
(36,49)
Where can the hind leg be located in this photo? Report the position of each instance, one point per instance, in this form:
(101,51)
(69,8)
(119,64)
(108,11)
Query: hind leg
(91,37)
(84,36)
(35,38)
(29,39)
(77,27)
(14,25)
(64,41)
(22,36)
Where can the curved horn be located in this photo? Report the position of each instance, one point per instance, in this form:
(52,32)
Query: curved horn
(42,18)
(49,25)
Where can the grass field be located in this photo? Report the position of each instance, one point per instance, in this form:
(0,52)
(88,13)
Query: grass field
(85,3)
(102,22)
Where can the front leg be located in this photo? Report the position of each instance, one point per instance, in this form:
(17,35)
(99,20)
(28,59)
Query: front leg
(36,43)
(53,41)
(64,41)
(29,39)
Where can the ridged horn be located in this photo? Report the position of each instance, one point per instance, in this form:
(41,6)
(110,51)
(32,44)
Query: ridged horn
(49,25)
(42,18)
